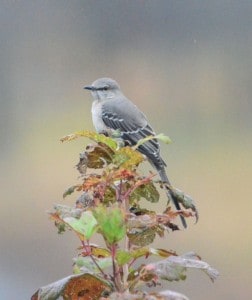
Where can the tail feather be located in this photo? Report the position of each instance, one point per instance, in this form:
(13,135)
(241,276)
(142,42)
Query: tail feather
(164,178)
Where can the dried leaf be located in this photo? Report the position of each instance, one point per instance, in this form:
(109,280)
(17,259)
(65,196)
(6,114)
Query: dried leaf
(140,295)
(162,252)
(124,175)
(185,200)
(142,237)
(146,220)
(127,158)
(99,138)
(97,251)
(91,182)
(147,191)
(61,211)
(81,287)
(109,195)
(174,267)
(84,201)
(70,190)
(146,252)
(169,295)
(97,156)
(82,164)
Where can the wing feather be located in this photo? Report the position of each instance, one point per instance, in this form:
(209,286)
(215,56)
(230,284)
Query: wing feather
(132,130)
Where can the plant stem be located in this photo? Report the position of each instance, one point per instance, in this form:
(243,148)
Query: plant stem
(93,259)
(126,245)
(116,274)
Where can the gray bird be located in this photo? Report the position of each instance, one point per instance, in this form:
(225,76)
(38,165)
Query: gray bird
(112,111)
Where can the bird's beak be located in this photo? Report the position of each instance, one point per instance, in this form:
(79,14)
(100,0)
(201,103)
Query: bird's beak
(89,87)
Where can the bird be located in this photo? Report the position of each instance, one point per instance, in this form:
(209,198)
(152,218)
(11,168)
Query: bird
(112,112)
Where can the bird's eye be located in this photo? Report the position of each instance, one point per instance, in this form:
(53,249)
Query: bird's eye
(105,88)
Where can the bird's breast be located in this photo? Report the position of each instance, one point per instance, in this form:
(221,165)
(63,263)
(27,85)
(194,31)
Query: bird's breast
(96,110)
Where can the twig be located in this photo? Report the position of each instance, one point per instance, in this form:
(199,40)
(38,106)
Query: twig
(93,259)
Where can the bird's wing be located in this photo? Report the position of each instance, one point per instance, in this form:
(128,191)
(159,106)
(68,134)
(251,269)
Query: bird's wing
(133,126)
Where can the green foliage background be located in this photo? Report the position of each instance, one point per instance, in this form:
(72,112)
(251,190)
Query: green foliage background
(186,64)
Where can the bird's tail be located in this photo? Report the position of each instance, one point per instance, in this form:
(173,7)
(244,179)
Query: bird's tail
(164,179)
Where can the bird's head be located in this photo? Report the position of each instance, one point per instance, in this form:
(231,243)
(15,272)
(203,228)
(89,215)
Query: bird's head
(103,88)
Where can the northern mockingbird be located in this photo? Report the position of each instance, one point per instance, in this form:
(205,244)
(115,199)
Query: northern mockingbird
(112,111)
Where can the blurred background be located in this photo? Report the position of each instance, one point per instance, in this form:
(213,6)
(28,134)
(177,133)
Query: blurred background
(187,64)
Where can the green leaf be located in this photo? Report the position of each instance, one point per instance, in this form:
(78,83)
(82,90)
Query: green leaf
(159,136)
(111,223)
(86,263)
(165,139)
(85,225)
(142,141)
(123,257)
